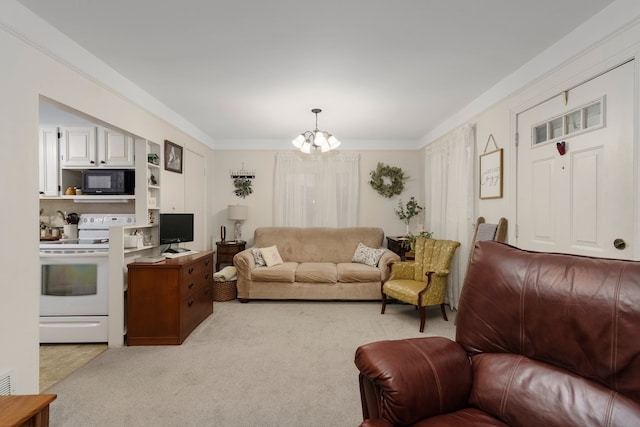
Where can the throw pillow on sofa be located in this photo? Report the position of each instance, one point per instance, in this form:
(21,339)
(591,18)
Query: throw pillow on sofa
(271,256)
(257,257)
(366,255)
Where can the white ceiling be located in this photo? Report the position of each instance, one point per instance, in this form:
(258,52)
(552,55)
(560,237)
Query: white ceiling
(253,69)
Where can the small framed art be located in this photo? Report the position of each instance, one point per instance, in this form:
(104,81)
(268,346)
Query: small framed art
(491,175)
(172,157)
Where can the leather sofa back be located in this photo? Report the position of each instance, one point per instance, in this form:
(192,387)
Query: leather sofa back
(552,336)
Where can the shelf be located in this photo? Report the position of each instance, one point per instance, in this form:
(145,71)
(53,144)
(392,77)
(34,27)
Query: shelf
(153,165)
(131,250)
(92,199)
(157,187)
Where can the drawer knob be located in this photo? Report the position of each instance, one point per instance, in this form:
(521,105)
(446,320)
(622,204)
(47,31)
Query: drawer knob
(190,270)
(190,285)
(206,276)
(190,303)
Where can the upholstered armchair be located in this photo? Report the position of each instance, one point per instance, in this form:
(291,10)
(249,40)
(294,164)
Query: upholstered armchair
(422,282)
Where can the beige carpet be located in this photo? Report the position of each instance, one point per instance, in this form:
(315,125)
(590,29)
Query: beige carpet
(57,361)
(258,364)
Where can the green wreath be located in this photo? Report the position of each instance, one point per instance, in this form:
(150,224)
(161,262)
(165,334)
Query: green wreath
(243,187)
(394,184)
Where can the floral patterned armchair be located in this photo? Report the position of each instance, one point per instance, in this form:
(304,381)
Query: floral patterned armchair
(422,282)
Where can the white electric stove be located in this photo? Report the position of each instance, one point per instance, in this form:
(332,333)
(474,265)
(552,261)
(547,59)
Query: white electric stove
(74,285)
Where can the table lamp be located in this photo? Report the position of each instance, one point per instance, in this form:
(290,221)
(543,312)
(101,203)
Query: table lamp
(238,214)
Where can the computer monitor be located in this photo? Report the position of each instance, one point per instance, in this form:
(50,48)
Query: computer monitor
(176,228)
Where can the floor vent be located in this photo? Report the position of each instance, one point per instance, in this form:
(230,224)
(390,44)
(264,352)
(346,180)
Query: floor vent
(6,383)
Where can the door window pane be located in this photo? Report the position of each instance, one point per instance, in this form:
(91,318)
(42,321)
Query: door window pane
(574,122)
(556,128)
(540,134)
(593,115)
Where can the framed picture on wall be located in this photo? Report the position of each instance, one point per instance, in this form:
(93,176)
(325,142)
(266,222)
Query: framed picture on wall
(491,175)
(172,157)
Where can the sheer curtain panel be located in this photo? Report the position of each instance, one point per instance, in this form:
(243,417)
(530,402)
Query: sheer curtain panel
(450,195)
(316,190)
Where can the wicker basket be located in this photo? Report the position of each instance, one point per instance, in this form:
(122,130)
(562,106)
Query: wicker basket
(224,291)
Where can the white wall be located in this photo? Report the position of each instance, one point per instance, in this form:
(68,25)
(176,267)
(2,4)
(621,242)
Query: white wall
(375,210)
(26,74)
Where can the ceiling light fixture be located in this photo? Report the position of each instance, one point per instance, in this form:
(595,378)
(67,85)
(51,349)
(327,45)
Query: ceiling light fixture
(312,141)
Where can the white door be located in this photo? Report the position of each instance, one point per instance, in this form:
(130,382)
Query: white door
(195,196)
(582,201)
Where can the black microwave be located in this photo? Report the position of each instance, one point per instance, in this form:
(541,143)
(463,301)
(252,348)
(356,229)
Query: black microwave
(108,181)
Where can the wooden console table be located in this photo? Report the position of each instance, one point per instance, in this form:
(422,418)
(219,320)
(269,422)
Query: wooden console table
(168,299)
(26,410)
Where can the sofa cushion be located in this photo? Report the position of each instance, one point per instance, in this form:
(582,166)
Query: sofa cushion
(316,272)
(257,257)
(271,256)
(351,272)
(366,255)
(285,272)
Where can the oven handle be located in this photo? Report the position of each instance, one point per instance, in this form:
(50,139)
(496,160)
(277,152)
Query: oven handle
(73,254)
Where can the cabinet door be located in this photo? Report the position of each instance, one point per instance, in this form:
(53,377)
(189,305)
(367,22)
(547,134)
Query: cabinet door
(78,147)
(115,148)
(48,158)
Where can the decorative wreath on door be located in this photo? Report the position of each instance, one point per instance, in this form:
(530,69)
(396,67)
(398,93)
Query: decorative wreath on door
(387,180)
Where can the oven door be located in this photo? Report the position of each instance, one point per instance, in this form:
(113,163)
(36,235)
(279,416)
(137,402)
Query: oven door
(74,284)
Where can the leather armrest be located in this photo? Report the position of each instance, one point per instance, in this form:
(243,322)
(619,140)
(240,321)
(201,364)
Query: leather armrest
(407,380)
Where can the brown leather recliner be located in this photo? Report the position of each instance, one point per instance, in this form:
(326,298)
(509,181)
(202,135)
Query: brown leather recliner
(541,340)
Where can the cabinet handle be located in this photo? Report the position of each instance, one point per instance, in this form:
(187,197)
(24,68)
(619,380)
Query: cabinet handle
(190,303)
(102,162)
(206,262)
(92,162)
(206,276)
(190,270)
(190,285)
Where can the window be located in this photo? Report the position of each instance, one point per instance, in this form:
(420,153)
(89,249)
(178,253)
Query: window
(584,119)
(316,190)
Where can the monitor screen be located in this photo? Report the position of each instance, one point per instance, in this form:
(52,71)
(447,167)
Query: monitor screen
(176,228)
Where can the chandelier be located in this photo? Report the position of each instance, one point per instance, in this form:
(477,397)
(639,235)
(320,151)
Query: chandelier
(315,140)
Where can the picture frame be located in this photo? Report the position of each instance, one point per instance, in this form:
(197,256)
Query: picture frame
(172,157)
(491,175)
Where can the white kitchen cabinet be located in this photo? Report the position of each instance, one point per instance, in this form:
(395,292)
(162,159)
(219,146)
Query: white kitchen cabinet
(78,147)
(49,179)
(92,147)
(115,149)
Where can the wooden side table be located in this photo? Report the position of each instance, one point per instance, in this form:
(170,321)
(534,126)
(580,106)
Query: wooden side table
(226,250)
(395,245)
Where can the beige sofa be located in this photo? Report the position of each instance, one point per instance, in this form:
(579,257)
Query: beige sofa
(316,265)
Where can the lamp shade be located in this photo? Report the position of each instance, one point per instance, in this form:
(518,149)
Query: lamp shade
(237,212)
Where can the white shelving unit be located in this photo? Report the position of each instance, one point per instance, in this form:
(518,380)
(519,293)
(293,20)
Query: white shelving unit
(148,173)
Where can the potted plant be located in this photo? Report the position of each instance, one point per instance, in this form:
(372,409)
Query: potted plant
(408,211)
(409,240)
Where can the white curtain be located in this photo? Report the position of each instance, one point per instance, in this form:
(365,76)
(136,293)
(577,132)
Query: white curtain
(316,190)
(450,195)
